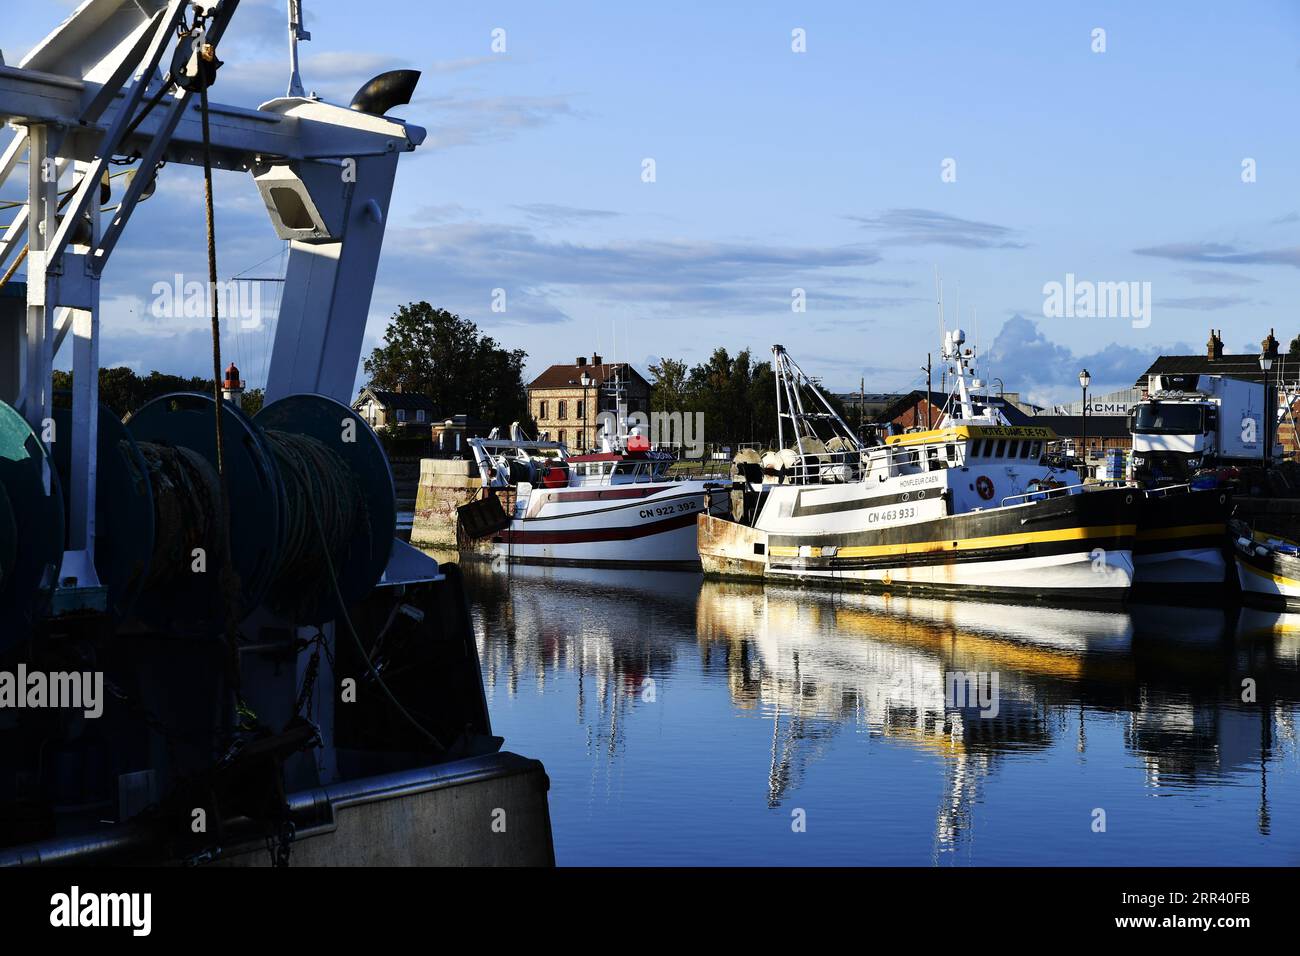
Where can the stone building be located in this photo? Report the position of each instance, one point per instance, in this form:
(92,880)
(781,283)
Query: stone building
(566,400)
(381,408)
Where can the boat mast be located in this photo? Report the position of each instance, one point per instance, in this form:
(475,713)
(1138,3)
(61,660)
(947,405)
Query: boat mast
(296,33)
(790,384)
(953,352)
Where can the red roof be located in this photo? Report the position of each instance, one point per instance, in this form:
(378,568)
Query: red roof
(569,376)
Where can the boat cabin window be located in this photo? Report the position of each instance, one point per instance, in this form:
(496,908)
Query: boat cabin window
(1000,448)
(632,471)
(1026,449)
(591,469)
(977,448)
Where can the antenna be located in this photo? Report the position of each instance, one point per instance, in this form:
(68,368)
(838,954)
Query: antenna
(938,291)
(296,33)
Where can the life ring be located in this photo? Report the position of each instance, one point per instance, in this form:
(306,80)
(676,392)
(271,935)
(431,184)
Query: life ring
(984,486)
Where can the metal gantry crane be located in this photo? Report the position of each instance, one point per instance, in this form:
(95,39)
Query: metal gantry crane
(120,82)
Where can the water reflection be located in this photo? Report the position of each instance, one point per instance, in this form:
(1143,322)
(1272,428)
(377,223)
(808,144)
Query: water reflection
(816,665)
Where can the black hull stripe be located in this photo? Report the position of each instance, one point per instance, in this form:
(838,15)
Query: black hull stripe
(971,556)
(801,510)
(1094,509)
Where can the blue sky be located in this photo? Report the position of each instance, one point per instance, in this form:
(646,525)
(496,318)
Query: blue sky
(778,170)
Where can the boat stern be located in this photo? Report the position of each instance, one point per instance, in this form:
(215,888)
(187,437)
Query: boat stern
(730,549)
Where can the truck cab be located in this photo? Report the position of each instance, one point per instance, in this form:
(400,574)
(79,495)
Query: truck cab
(1190,422)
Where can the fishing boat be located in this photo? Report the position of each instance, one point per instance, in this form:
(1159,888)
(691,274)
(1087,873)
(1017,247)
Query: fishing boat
(1268,568)
(618,506)
(967,505)
(249,667)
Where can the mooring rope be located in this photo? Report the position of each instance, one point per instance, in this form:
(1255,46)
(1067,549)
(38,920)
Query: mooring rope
(313,473)
(185,500)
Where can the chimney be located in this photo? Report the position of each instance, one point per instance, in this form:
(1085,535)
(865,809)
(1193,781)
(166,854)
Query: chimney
(398,389)
(595,360)
(1214,348)
(582,361)
(1269,346)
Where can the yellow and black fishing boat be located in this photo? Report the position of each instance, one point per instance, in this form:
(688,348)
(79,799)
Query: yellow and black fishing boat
(971,505)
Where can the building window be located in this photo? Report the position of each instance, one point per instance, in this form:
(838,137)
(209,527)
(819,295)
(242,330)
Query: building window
(401,414)
(580,409)
(419,416)
(541,410)
(564,410)
(561,430)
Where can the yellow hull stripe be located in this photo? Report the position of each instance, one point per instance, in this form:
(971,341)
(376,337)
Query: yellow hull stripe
(967,544)
(1187,530)
(1268,576)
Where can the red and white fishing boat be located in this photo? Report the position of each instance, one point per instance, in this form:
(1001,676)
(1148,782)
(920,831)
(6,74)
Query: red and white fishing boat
(616,507)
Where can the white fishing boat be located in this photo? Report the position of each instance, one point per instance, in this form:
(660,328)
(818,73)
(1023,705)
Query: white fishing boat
(1268,568)
(967,505)
(617,507)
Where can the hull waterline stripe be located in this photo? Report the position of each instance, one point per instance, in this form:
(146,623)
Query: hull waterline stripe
(1267,575)
(587,535)
(969,544)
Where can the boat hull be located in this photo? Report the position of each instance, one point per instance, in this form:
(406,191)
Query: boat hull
(1180,543)
(1269,580)
(490,810)
(1080,546)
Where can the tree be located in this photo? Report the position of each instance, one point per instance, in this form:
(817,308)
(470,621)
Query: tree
(669,383)
(435,353)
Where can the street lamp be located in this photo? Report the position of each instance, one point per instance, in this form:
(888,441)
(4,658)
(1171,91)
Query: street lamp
(1267,354)
(1084,380)
(586,381)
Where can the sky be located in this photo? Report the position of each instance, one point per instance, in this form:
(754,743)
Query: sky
(1007,146)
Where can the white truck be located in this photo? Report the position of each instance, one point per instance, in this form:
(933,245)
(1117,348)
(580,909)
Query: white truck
(1191,421)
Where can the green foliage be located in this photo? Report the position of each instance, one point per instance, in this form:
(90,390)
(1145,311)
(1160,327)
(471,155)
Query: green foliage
(669,381)
(434,353)
(125,392)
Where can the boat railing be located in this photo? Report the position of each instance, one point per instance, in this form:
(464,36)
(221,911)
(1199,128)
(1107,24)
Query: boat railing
(1057,490)
(818,468)
(1166,489)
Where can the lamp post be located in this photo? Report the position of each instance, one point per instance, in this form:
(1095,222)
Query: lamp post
(1084,380)
(1267,354)
(586,381)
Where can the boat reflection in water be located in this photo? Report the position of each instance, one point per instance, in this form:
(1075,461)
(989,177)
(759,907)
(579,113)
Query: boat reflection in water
(904,725)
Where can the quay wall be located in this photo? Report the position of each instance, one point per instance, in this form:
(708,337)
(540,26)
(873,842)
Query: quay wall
(445,484)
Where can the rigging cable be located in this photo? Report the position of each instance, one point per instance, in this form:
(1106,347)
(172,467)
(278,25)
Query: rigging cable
(229,585)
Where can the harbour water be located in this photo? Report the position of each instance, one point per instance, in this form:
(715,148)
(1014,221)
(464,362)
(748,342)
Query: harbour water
(685,721)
